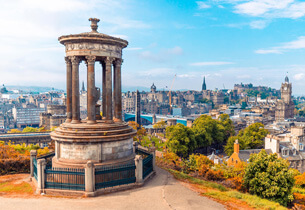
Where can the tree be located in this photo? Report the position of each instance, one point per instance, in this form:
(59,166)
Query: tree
(227,124)
(141,132)
(180,140)
(207,131)
(29,130)
(249,138)
(160,124)
(253,135)
(269,177)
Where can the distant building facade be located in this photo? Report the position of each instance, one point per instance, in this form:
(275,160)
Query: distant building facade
(55,115)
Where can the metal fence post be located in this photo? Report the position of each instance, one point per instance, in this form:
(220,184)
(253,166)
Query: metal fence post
(139,169)
(152,150)
(41,165)
(89,178)
(32,157)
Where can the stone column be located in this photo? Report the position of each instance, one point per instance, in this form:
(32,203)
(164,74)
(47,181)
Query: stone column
(139,169)
(75,89)
(117,91)
(91,92)
(32,157)
(104,90)
(69,89)
(41,165)
(108,65)
(89,179)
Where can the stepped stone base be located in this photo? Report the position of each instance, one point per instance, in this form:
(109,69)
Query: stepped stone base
(101,143)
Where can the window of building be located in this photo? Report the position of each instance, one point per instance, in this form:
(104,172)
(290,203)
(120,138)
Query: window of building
(301,147)
(285,152)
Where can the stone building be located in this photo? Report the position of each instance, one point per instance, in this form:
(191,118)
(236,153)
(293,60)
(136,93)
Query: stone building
(285,106)
(53,117)
(289,146)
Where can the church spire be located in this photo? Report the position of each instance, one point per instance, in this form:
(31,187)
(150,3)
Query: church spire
(83,87)
(204,87)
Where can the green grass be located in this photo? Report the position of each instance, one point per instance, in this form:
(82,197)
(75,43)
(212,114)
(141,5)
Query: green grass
(251,200)
(222,193)
(181,175)
(17,188)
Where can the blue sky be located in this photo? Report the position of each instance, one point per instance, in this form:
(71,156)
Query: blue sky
(228,41)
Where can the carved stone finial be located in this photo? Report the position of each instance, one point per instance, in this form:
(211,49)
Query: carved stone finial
(94,25)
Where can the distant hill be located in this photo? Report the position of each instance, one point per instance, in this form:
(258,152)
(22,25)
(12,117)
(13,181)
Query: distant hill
(32,88)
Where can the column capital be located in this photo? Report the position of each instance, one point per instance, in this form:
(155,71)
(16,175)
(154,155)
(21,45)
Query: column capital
(75,60)
(90,59)
(108,60)
(68,60)
(118,61)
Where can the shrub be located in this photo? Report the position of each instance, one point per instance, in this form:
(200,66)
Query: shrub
(269,177)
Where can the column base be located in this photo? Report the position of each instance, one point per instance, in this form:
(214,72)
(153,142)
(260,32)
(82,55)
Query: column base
(75,121)
(108,121)
(117,120)
(91,121)
(68,120)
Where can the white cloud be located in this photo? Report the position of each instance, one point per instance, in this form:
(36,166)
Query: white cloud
(296,44)
(299,76)
(271,51)
(202,5)
(186,75)
(175,51)
(215,63)
(258,24)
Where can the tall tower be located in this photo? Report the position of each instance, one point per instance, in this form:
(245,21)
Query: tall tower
(204,87)
(285,106)
(286,91)
(138,109)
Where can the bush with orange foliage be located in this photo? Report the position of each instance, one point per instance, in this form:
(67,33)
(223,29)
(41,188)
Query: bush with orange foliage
(16,158)
(300,180)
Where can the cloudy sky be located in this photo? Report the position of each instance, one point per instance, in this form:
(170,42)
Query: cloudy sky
(228,41)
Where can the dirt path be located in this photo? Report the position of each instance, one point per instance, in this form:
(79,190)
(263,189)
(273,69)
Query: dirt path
(162,192)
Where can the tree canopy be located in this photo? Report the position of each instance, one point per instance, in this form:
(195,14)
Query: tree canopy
(269,177)
(180,140)
(250,138)
(160,124)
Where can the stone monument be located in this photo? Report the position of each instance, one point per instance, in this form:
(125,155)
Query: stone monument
(104,141)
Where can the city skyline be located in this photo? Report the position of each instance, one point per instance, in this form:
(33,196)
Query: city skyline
(228,41)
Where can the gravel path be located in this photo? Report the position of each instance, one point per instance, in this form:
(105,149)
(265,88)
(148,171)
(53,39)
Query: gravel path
(162,192)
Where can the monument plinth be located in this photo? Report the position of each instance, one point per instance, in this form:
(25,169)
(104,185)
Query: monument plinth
(103,141)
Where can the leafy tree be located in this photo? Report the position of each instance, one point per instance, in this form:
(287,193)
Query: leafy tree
(250,138)
(207,131)
(160,124)
(253,135)
(180,140)
(227,123)
(29,130)
(141,132)
(269,177)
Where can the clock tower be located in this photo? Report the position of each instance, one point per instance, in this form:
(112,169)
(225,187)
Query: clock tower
(285,106)
(286,91)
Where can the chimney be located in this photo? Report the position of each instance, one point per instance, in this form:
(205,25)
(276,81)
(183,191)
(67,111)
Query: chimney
(236,146)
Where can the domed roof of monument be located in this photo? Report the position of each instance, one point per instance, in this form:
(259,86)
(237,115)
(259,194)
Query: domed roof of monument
(286,79)
(93,36)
